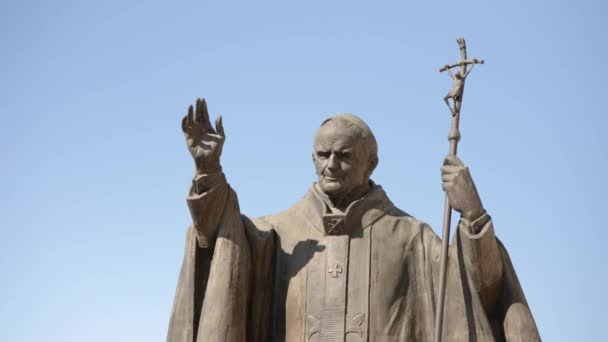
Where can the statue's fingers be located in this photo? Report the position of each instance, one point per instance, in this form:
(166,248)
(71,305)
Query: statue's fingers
(199,108)
(449,177)
(215,136)
(190,116)
(446,185)
(446,160)
(185,124)
(451,159)
(219,125)
(450,169)
(202,115)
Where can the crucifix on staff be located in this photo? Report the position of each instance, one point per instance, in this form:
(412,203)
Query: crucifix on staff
(459,77)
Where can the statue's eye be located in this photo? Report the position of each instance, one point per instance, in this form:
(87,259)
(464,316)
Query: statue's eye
(322,154)
(345,155)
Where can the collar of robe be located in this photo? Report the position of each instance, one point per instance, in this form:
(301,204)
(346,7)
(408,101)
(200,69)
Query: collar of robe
(359,215)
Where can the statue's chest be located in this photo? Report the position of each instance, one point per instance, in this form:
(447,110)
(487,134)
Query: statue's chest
(337,289)
(326,281)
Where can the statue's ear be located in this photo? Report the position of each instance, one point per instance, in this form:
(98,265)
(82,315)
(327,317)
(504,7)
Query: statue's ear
(372,166)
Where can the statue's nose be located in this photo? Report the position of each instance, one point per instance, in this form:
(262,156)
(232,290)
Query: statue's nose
(332,163)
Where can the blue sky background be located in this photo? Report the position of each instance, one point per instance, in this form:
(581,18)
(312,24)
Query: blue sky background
(95,171)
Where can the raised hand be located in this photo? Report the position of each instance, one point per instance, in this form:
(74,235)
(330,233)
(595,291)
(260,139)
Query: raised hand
(458,184)
(204,142)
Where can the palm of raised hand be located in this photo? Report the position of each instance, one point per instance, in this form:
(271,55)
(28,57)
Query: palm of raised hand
(204,142)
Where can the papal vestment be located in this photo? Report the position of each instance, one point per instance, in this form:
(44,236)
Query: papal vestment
(312,273)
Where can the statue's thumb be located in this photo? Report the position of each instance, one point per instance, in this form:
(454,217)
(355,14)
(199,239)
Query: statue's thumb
(219,126)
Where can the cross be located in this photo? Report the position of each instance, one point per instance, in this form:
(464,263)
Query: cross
(458,88)
(333,224)
(335,271)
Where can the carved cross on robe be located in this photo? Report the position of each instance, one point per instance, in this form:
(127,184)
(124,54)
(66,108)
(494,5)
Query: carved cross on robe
(335,271)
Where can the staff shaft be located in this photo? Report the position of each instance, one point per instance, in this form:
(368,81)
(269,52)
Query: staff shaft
(445,239)
(454,137)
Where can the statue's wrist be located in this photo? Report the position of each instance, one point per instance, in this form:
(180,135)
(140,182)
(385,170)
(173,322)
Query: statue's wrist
(205,181)
(475,226)
(208,168)
(473,214)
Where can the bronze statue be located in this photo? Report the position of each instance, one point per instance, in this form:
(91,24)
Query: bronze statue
(344,263)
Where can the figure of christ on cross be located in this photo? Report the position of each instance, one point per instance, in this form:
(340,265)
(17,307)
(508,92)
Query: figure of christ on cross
(459,77)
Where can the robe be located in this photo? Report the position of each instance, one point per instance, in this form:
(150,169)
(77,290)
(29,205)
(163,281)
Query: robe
(311,274)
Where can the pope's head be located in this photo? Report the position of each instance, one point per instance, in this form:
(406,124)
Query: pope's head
(345,155)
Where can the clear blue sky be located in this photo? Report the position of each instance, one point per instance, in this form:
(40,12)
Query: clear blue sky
(95,170)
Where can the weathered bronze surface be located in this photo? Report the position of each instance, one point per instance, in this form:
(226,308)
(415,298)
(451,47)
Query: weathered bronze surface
(343,264)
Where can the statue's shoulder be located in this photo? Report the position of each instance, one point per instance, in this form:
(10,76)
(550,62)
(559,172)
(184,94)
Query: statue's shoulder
(297,215)
(400,214)
(400,220)
(264,223)
(393,213)
(287,216)
(399,228)
(273,223)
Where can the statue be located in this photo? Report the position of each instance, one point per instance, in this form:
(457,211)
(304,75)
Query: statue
(342,264)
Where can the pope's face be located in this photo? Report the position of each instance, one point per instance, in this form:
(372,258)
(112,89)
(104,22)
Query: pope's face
(341,161)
